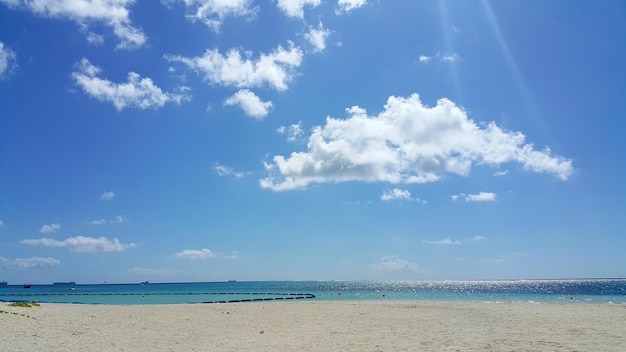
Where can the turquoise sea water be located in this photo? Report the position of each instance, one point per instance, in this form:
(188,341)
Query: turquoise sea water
(560,291)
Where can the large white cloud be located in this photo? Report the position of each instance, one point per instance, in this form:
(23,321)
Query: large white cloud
(82,244)
(138,92)
(276,69)
(251,104)
(213,12)
(113,13)
(407,142)
(8,61)
(295,8)
(28,263)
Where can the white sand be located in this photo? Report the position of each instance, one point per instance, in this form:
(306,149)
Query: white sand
(316,326)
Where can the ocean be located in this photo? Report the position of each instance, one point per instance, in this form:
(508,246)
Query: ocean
(541,291)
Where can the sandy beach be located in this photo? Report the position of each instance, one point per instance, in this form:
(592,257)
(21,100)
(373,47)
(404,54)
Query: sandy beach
(315,326)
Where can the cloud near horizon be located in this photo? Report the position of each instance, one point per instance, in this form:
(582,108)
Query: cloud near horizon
(444,242)
(407,142)
(395,264)
(28,263)
(82,244)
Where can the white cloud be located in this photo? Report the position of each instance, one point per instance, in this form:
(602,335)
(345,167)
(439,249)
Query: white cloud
(450,57)
(223,170)
(295,8)
(250,103)
(396,194)
(477,238)
(395,264)
(213,12)
(479,197)
(196,254)
(425,59)
(293,132)
(138,92)
(317,37)
(444,242)
(8,61)
(82,244)
(95,39)
(501,173)
(120,219)
(50,228)
(275,69)
(28,263)
(347,6)
(97,222)
(113,13)
(107,195)
(406,143)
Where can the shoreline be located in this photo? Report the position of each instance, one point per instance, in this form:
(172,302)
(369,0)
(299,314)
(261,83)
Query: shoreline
(316,326)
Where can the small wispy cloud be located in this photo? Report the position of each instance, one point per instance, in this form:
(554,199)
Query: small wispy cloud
(425,59)
(223,170)
(447,58)
(107,195)
(82,244)
(347,6)
(501,173)
(478,197)
(28,263)
(204,253)
(317,37)
(50,228)
(293,132)
(8,61)
(450,57)
(196,254)
(120,219)
(97,222)
(395,264)
(478,238)
(399,194)
(444,242)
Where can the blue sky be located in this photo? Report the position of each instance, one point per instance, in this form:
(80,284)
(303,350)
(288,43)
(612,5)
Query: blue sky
(204,140)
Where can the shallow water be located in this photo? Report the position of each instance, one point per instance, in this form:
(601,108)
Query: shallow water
(559,291)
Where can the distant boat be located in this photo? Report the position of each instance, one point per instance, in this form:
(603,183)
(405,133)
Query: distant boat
(3,283)
(144,283)
(27,285)
(64,283)
(232,280)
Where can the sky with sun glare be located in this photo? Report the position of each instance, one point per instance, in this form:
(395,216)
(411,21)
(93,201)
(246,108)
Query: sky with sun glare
(204,140)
